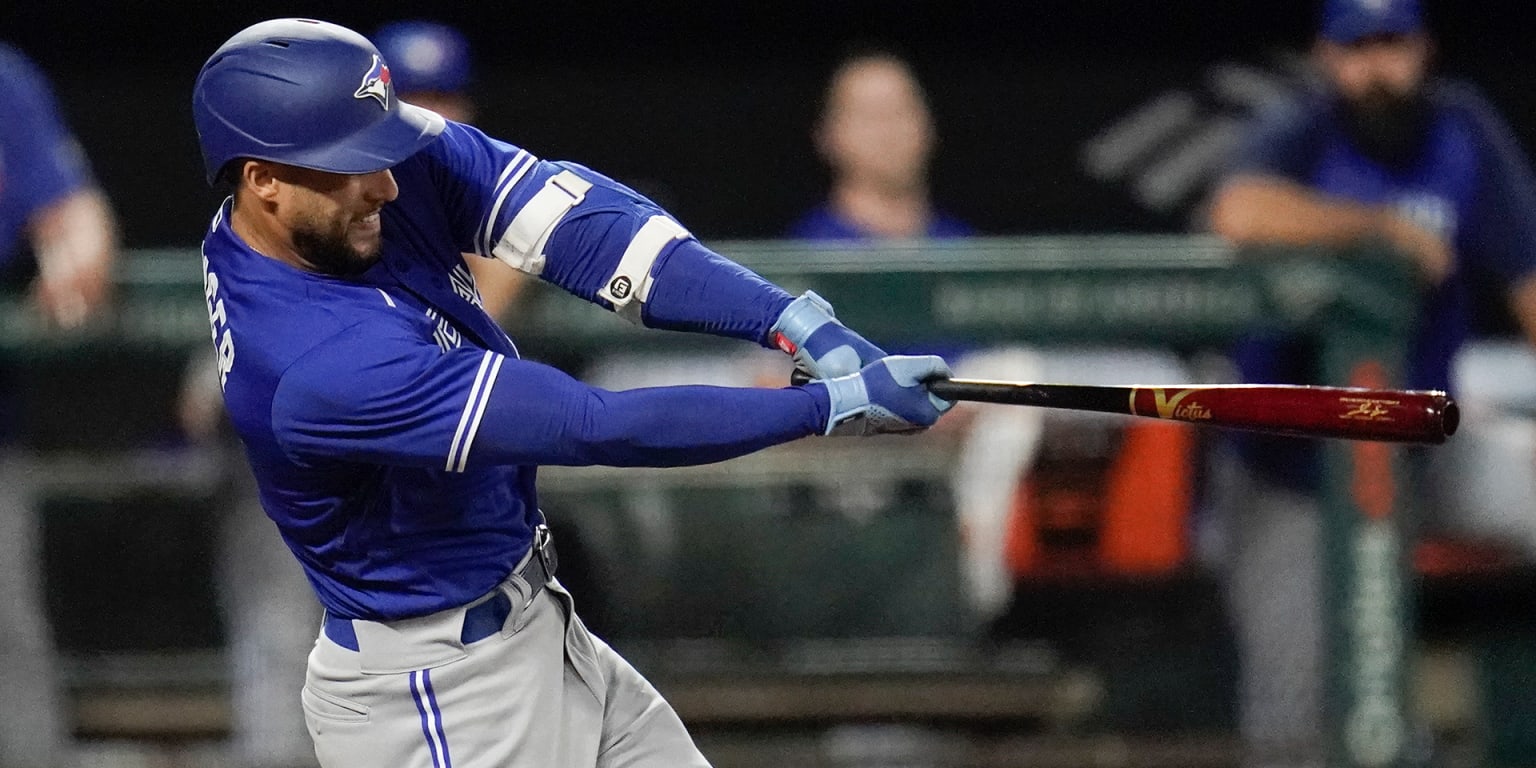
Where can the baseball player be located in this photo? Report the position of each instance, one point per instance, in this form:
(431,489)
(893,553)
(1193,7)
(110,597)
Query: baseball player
(267,604)
(1385,151)
(394,432)
(51,207)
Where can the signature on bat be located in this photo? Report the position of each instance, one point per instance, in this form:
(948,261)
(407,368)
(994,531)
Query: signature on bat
(1367,409)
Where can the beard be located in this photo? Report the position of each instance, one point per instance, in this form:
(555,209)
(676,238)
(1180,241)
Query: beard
(330,253)
(1388,127)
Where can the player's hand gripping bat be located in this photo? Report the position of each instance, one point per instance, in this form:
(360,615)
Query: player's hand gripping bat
(1390,415)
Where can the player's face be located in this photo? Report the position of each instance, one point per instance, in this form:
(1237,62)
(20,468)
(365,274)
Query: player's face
(1381,81)
(877,126)
(1376,68)
(333,218)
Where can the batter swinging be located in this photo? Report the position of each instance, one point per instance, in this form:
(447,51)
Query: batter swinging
(394,432)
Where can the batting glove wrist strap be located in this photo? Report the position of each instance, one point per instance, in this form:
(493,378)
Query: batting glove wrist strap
(849,402)
(809,332)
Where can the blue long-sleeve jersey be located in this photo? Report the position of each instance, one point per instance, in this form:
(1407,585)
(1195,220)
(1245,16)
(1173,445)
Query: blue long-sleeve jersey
(391,427)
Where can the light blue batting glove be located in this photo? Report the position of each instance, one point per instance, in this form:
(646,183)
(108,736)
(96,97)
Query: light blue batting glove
(888,396)
(809,332)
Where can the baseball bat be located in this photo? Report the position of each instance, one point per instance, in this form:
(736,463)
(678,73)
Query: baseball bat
(1351,413)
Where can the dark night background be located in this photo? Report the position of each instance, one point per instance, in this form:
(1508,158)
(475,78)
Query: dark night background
(707,105)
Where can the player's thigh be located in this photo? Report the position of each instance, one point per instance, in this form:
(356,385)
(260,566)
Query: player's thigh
(640,729)
(501,706)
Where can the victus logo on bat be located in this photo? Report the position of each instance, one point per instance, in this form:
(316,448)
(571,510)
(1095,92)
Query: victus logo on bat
(1174,407)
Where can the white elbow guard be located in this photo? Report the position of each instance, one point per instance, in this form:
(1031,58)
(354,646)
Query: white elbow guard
(522,244)
(630,285)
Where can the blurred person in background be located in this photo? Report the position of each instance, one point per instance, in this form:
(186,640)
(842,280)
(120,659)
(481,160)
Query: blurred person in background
(52,211)
(1383,152)
(876,136)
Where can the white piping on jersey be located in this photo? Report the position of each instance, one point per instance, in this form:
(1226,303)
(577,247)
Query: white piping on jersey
(485,399)
(522,161)
(387,299)
(474,410)
(522,243)
(630,284)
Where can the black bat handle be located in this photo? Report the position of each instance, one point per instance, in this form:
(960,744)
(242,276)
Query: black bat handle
(949,390)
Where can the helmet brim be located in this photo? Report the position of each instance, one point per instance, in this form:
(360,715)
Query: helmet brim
(406,130)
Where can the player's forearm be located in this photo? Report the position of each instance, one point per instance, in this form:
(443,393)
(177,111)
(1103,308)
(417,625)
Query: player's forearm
(699,290)
(675,426)
(687,287)
(1263,211)
(538,416)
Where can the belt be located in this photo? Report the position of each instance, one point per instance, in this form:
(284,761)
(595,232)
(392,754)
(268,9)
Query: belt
(486,617)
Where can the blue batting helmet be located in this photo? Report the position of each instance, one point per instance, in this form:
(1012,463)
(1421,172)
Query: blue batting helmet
(424,56)
(305,93)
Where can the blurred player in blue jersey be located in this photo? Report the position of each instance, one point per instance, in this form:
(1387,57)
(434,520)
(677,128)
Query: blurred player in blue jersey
(394,433)
(49,203)
(876,136)
(1384,153)
(56,231)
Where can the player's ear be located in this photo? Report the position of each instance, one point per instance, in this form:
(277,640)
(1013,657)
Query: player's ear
(259,178)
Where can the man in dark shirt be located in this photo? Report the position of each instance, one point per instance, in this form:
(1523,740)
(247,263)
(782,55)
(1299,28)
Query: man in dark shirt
(1384,153)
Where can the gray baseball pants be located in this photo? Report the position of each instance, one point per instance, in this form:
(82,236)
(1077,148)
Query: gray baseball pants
(543,693)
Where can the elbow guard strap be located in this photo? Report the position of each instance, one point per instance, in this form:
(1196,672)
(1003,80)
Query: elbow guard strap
(522,244)
(629,286)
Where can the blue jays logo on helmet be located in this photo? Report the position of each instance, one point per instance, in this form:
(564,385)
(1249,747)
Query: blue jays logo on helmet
(375,84)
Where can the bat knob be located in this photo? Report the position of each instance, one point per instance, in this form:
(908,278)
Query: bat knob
(1450,417)
(800,376)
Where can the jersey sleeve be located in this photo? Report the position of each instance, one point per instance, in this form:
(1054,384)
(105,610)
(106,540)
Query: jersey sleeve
(360,397)
(1500,235)
(1276,143)
(43,162)
(596,238)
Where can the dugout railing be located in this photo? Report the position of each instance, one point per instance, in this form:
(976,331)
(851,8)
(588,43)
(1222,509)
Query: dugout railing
(97,401)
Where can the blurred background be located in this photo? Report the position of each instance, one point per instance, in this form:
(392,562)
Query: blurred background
(1015,588)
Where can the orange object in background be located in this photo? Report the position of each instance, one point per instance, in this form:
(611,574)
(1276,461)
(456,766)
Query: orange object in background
(1104,498)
